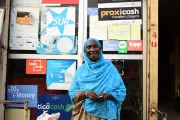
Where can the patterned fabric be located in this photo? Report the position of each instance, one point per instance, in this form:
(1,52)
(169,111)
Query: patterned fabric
(79,113)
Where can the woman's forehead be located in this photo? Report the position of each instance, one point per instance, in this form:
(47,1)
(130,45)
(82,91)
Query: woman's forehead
(92,42)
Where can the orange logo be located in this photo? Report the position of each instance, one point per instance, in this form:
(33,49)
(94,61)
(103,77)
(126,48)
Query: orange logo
(35,66)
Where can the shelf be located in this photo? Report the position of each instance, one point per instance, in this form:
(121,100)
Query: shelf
(123,57)
(59,86)
(39,56)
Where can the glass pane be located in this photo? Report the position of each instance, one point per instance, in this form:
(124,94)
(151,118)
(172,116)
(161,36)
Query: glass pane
(116,38)
(131,72)
(45,26)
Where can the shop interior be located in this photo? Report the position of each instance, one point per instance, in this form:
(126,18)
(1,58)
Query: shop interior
(169,57)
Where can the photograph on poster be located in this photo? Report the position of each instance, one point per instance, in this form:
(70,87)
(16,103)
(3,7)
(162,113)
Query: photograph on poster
(24,25)
(58,72)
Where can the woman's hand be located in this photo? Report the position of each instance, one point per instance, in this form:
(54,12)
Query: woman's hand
(91,95)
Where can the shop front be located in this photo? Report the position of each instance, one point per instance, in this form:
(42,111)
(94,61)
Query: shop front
(45,47)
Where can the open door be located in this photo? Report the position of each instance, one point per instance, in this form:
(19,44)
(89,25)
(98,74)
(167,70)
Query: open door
(152,59)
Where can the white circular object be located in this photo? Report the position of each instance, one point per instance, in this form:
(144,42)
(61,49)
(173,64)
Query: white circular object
(64,45)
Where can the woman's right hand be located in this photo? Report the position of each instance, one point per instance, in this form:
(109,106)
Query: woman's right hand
(91,95)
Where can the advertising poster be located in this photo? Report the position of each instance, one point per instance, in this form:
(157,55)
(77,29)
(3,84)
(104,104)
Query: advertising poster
(58,72)
(60,1)
(98,31)
(135,45)
(60,21)
(35,66)
(24,25)
(120,12)
(119,32)
(53,104)
(22,93)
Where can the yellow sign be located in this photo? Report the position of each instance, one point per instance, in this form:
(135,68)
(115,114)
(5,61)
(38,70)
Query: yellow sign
(119,32)
(135,32)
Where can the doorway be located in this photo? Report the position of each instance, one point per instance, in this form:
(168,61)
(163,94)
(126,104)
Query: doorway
(168,68)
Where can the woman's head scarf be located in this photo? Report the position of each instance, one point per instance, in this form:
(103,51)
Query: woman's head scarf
(101,77)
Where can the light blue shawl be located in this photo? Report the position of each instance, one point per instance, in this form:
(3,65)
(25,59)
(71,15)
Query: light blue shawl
(101,77)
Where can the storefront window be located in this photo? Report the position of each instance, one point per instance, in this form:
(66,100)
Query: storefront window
(118,25)
(118,35)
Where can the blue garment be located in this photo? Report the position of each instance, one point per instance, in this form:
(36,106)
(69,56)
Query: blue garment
(101,77)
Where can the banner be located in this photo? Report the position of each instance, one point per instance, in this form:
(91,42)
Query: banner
(54,104)
(22,93)
(35,66)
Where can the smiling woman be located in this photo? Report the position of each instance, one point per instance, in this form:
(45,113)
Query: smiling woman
(93,93)
(92,50)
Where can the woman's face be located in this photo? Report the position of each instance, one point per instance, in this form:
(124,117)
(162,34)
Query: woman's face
(92,51)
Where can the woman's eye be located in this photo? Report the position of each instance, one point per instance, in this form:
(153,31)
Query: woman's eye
(88,47)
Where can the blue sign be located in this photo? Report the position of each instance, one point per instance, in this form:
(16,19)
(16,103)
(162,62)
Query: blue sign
(110,45)
(22,93)
(92,11)
(53,104)
(59,71)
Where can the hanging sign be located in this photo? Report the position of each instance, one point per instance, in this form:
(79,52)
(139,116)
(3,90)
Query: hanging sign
(22,93)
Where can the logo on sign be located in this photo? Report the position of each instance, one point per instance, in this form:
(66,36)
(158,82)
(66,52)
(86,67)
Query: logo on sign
(122,44)
(48,106)
(135,45)
(17,94)
(35,66)
(60,20)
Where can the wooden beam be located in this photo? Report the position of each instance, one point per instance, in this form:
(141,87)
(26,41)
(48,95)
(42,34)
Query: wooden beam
(152,57)
(3,55)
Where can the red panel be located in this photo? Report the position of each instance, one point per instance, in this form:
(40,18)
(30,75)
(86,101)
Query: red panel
(60,1)
(135,45)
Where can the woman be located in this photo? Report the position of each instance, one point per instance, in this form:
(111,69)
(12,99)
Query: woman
(97,90)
